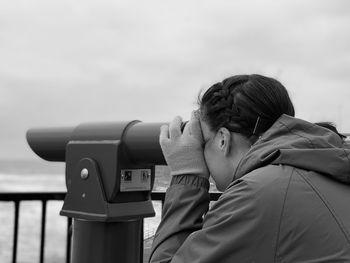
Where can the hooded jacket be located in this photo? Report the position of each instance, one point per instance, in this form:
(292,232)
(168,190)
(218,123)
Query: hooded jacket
(289,202)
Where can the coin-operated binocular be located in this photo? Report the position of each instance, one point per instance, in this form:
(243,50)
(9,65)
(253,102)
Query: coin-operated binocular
(110,170)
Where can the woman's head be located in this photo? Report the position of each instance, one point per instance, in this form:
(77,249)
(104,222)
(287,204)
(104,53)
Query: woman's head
(234,113)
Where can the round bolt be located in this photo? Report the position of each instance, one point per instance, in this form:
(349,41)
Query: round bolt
(84,174)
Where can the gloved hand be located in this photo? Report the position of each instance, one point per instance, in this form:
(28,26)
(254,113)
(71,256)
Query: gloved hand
(183,152)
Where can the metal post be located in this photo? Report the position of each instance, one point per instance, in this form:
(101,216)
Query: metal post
(107,242)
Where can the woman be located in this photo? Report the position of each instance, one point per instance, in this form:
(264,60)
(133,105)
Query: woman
(284,180)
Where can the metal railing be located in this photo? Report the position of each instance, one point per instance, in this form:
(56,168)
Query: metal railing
(44,197)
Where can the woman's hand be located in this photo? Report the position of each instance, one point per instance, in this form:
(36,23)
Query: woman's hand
(183,152)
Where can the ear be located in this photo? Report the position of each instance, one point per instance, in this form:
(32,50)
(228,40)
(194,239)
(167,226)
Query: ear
(224,136)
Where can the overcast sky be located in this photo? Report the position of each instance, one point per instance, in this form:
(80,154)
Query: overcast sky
(65,62)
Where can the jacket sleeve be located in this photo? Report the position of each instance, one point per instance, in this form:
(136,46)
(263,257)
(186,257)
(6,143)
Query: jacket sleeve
(186,201)
(231,232)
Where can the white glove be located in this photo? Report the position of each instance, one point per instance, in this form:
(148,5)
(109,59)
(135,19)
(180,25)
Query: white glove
(183,152)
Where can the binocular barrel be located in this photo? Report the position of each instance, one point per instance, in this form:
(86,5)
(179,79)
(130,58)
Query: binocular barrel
(140,140)
(50,143)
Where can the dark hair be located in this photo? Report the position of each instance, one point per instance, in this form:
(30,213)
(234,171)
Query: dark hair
(247,104)
(331,126)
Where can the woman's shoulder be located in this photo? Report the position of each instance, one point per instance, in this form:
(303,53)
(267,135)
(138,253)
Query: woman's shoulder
(265,185)
(259,194)
(265,177)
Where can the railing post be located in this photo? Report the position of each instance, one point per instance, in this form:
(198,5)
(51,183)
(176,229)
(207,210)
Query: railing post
(43,228)
(15,233)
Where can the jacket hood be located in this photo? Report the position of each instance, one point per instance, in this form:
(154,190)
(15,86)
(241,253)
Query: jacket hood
(298,143)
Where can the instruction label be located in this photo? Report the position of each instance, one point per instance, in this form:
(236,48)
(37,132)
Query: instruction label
(132,180)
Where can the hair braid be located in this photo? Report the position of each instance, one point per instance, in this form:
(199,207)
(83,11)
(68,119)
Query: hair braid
(241,102)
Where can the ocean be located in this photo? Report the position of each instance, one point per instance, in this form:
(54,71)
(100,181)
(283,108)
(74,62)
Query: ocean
(41,176)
